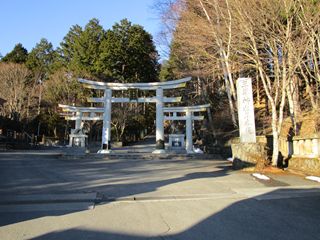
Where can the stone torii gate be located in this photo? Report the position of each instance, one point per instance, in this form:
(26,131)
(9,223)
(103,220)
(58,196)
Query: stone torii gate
(189,117)
(79,114)
(159,99)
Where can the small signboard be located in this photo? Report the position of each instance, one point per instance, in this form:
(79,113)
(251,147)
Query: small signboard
(176,141)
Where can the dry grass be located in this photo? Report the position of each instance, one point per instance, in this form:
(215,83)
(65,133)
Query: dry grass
(265,170)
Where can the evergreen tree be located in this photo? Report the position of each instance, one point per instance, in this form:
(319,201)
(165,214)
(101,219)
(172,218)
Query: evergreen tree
(41,62)
(18,55)
(128,54)
(80,48)
(166,71)
(68,45)
(41,58)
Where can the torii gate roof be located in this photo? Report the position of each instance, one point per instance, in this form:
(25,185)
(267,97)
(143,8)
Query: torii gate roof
(142,86)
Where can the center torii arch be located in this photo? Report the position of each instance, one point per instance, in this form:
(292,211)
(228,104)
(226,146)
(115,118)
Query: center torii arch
(159,99)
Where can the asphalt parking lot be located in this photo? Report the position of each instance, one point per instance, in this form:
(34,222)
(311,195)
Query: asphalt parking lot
(48,196)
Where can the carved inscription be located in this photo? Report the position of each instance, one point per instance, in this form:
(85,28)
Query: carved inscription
(247,127)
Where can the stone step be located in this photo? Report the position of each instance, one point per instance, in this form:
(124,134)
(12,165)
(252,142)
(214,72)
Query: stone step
(146,156)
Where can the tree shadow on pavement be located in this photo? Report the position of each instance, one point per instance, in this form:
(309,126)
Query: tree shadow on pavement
(274,215)
(107,190)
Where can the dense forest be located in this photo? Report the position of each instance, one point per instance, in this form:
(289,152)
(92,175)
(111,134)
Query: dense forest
(274,42)
(34,83)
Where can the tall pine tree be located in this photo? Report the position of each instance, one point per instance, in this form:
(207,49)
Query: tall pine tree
(18,55)
(128,54)
(41,59)
(80,48)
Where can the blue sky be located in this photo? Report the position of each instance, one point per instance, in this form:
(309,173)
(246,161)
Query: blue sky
(27,21)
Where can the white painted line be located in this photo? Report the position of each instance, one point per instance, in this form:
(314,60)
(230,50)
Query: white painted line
(261,176)
(313,178)
(268,193)
(231,195)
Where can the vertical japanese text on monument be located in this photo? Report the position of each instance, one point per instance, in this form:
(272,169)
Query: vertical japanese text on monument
(247,127)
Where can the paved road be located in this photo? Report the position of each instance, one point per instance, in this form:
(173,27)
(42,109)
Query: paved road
(45,196)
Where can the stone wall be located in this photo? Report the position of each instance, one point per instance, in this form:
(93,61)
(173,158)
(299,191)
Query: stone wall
(267,140)
(306,165)
(301,153)
(306,146)
(249,154)
(306,154)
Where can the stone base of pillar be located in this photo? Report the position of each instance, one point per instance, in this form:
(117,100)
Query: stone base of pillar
(190,152)
(160,144)
(159,151)
(106,146)
(104,151)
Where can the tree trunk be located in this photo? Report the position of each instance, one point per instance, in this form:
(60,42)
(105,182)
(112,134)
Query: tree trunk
(267,105)
(293,100)
(198,86)
(231,106)
(211,124)
(317,94)
(274,124)
(309,92)
(228,72)
(258,91)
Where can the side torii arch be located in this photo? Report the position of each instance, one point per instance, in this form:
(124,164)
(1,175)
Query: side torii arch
(189,117)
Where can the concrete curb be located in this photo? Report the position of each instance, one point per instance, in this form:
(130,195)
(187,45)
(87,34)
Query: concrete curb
(49,198)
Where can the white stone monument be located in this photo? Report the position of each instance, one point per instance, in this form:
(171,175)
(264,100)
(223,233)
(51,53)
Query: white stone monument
(247,126)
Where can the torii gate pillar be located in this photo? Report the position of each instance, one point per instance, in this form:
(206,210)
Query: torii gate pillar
(78,124)
(189,142)
(106,130)
(160,147)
